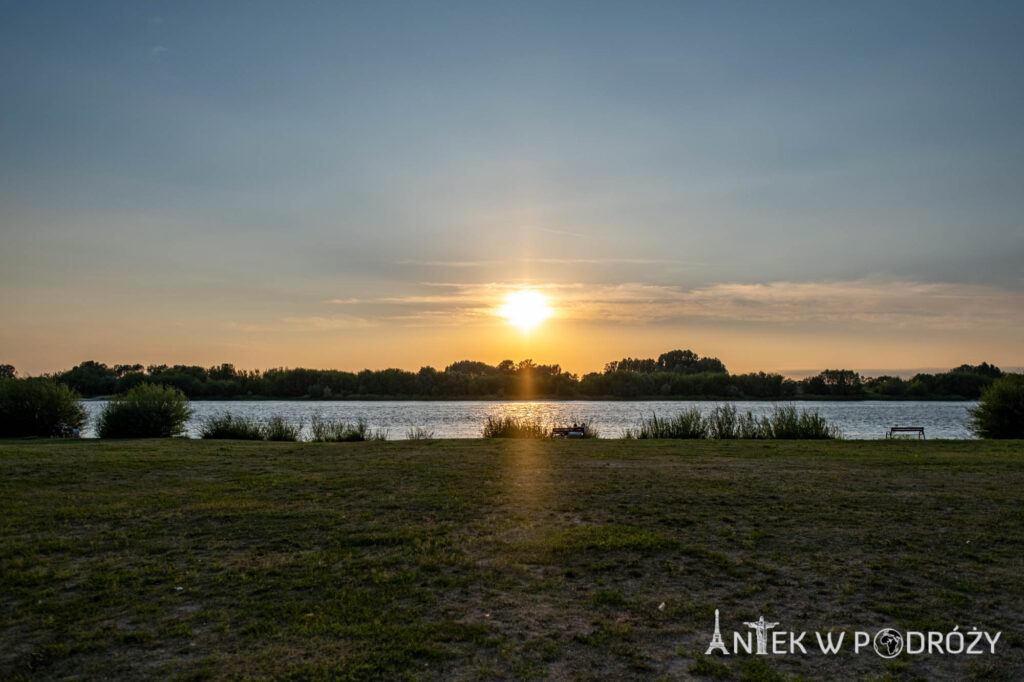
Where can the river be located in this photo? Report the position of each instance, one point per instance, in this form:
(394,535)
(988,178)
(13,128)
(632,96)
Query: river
(465,418)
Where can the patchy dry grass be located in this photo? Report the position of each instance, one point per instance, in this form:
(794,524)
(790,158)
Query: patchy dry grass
(499,559)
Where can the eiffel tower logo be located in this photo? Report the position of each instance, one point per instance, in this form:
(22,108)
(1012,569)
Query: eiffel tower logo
(716,640)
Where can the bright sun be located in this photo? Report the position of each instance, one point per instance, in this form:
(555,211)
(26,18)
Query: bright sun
(525,309)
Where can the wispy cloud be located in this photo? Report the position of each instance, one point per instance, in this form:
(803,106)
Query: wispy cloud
(315,323)
(893,303)
(609,261)
(305,324)
(567,233)
(449,263)
(546,260)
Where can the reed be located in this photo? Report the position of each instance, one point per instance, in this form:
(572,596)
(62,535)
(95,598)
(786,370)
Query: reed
(419,433)
(687,424)
(507,426)
(331,431)
(230,427)
(723,422)
(277,429)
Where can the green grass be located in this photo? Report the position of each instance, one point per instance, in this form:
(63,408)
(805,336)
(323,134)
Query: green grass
(593,559)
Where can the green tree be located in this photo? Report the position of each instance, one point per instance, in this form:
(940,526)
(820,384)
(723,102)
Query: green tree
(1000,410)
(34,406)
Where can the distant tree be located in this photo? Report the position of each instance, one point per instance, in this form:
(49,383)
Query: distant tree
(677,361)
(984,369)
(844,382)
(223,372)
(525,366)
(121,370)
(639,365)
(1000,410)
(887,385)
(7,371)
(471,367)
(90,378)
(711,365)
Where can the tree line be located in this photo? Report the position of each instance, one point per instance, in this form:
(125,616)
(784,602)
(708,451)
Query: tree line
(675,374)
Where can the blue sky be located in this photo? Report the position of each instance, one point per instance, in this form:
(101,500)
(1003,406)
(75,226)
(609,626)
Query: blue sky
(356,184)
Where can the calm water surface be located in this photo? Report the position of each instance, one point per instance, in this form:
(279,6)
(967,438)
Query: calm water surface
(465,418)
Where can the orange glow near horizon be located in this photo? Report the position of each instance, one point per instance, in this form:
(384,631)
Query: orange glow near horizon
(525,309)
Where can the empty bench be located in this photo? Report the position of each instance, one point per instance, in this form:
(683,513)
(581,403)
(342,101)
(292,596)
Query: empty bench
(574,431)
(919,430)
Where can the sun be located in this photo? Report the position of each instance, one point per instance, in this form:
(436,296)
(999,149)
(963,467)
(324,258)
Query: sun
(525,309)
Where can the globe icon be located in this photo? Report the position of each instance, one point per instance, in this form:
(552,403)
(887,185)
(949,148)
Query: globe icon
(888,643)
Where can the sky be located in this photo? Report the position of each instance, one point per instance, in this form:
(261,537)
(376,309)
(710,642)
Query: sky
(785,186)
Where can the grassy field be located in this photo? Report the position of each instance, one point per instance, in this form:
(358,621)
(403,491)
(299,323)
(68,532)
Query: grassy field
(502,559)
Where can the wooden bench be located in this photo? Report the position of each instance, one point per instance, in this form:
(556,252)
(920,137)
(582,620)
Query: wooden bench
(574,431)
(919,430)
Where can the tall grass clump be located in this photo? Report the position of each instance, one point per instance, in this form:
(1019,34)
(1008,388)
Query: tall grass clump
(231,427)
(687,424)
(330,431)
(276,428)
(1000,410)
(419,433)
(749,426)
(787,423)
(146,411)
(35,406)
(508,426)
(722,422)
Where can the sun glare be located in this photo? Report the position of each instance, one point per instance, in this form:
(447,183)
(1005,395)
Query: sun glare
(525,309)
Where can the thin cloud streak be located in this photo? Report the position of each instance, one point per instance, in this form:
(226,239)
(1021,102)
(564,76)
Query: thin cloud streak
(567,233)
(894,303)
(608,261)
(305,324)
(545,260)
(449,263)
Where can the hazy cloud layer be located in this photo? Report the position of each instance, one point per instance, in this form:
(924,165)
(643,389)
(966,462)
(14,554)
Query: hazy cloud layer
(892,303)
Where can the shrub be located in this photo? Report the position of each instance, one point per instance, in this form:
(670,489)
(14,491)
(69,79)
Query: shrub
(1000,410)
(508,426)
(35,406)
(278,429)
(231,427)
(328,431)
(146,411)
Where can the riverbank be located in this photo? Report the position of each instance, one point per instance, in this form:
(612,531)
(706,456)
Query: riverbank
(481,559)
